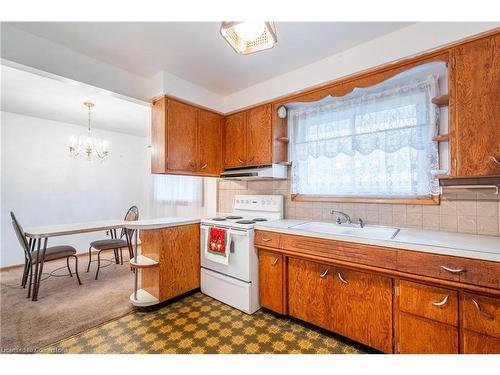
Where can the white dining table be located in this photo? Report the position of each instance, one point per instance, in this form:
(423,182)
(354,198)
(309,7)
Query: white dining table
(37,235)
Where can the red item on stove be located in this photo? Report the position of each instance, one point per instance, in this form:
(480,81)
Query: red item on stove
(217,241)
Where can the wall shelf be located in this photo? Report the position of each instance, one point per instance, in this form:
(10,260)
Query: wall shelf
(441,138)
(441,100)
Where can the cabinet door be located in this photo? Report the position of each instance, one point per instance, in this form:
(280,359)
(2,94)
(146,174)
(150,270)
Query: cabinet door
(235,140)
(310,292)
(259,136)
(271,281)
(362,308)
(182,137)
(476,125)
(158,136)
(210,143)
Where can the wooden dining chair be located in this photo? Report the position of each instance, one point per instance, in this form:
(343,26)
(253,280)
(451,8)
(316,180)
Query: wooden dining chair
(117,244)
(51,253)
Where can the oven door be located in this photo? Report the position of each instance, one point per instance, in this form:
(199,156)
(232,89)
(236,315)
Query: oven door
(239,256)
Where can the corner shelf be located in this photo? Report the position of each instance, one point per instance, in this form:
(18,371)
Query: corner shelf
(441,100)
(285,163)
(143,299)
(143,262)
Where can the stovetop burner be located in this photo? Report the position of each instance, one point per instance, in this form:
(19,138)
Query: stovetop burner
(234,217)
(245,222)
(259,219)
(219,219)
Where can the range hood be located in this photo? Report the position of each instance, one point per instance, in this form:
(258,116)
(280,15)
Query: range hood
(264,172)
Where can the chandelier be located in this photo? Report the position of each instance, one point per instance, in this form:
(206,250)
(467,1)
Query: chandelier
(87,144)
(249,37)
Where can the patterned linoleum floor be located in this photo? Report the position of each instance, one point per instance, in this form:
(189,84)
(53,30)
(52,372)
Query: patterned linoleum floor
(200,324)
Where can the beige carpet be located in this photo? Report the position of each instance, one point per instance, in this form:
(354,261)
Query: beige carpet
(64,308)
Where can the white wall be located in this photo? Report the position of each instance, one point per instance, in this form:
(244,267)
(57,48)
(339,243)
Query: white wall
(402,43)
(43,185)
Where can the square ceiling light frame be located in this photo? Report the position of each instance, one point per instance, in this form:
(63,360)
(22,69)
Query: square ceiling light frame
(241,46)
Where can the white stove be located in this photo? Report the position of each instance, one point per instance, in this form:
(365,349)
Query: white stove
(237,283)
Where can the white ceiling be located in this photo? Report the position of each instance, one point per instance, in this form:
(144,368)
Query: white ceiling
(196,52)
(62,100)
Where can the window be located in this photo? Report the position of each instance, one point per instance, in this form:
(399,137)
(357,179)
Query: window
(373,142)
(178,190)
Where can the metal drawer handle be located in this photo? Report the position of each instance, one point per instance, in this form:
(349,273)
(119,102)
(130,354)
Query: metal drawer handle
(341,278)
(323,275)
(494,160)
(441,303)
(241,161)
(478,308)
(204,166)
(453,270)
(275,261)
(266,239)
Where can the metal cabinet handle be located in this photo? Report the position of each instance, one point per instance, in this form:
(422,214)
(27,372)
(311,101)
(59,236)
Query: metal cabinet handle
(494,160)
(478,308)
(266,239)
(204,166)
(275,261)
(341,278)
(453,270)
(323,275)
(441,303)
(239,159)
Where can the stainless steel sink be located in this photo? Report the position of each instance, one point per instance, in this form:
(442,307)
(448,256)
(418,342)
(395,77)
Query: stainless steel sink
(368,231)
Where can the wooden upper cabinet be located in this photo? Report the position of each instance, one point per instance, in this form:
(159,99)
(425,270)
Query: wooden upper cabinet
(210,143)
(259,136)
(182,136)
(235,140)
(475,136)
(185,139)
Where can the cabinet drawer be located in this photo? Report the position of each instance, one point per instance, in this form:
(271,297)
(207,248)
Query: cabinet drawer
(270,239)
(481,314)
(422,336)
(469,271)
(350,252)
(429,302)
(476,343)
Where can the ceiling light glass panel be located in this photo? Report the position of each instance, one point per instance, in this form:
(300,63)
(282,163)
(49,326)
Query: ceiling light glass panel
(249,37)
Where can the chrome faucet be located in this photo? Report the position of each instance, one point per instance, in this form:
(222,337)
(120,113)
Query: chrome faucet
(338,220)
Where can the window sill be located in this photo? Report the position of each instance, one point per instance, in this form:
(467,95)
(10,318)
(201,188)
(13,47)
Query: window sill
(430,200)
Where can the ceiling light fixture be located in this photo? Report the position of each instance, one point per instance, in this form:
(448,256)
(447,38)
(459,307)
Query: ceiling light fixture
(249,37)
(87,143)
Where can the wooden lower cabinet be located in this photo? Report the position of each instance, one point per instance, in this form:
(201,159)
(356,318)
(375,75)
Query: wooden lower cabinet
(177,249)
(424,309)
(354,304)
(419,335)
(362,308)
(427,319)
(271,281)
(310,292)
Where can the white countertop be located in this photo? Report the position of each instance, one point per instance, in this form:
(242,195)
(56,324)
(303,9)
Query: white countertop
(164,222)
(102,225)
(455,244)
